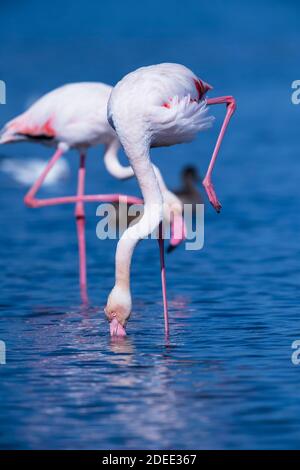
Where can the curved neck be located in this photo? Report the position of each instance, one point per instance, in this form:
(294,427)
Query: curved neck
(139,159)
(116,169)
(112,163)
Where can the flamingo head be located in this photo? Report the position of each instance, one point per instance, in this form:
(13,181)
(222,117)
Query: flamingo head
(118,310)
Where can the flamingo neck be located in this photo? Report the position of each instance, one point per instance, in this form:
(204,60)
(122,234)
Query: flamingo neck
(139,159)
(116,169)
(112,163)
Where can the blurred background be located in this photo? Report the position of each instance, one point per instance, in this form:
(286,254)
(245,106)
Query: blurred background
(226,379)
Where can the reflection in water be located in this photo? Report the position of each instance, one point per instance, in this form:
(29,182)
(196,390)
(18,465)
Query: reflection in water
(26,171)
(86,390)
(123,350)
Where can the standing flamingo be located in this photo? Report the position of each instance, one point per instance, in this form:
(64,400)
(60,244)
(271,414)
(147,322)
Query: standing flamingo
(159,105)
(74,116)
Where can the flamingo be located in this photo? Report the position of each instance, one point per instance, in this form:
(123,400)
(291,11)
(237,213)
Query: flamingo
(155,106)
(74,116)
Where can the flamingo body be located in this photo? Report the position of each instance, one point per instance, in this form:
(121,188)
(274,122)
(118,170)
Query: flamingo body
(74,114)
(165,100)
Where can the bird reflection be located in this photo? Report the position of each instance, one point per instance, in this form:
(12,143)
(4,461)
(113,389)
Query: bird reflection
(123,349)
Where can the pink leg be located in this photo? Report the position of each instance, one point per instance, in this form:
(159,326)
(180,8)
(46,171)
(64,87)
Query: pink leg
(54,201)
(30,199)
(163,280)
(80,222)
(231,106)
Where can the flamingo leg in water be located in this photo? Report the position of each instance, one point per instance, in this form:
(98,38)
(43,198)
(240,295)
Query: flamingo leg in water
(80,222)
(163,279)
(231,106)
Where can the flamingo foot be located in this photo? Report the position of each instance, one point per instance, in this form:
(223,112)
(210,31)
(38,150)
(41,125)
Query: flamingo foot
(210,191)
(116,329)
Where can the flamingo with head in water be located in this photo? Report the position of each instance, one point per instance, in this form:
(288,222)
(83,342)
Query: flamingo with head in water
(154,106)
(74,116)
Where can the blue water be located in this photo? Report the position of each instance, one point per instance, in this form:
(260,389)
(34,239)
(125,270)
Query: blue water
(225,380)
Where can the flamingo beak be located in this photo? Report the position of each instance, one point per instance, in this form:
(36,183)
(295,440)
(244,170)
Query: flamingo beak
(178,232)
(116,329)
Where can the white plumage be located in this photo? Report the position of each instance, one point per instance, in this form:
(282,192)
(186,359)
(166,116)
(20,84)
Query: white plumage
(179,123)
(74,114)
(164,101)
